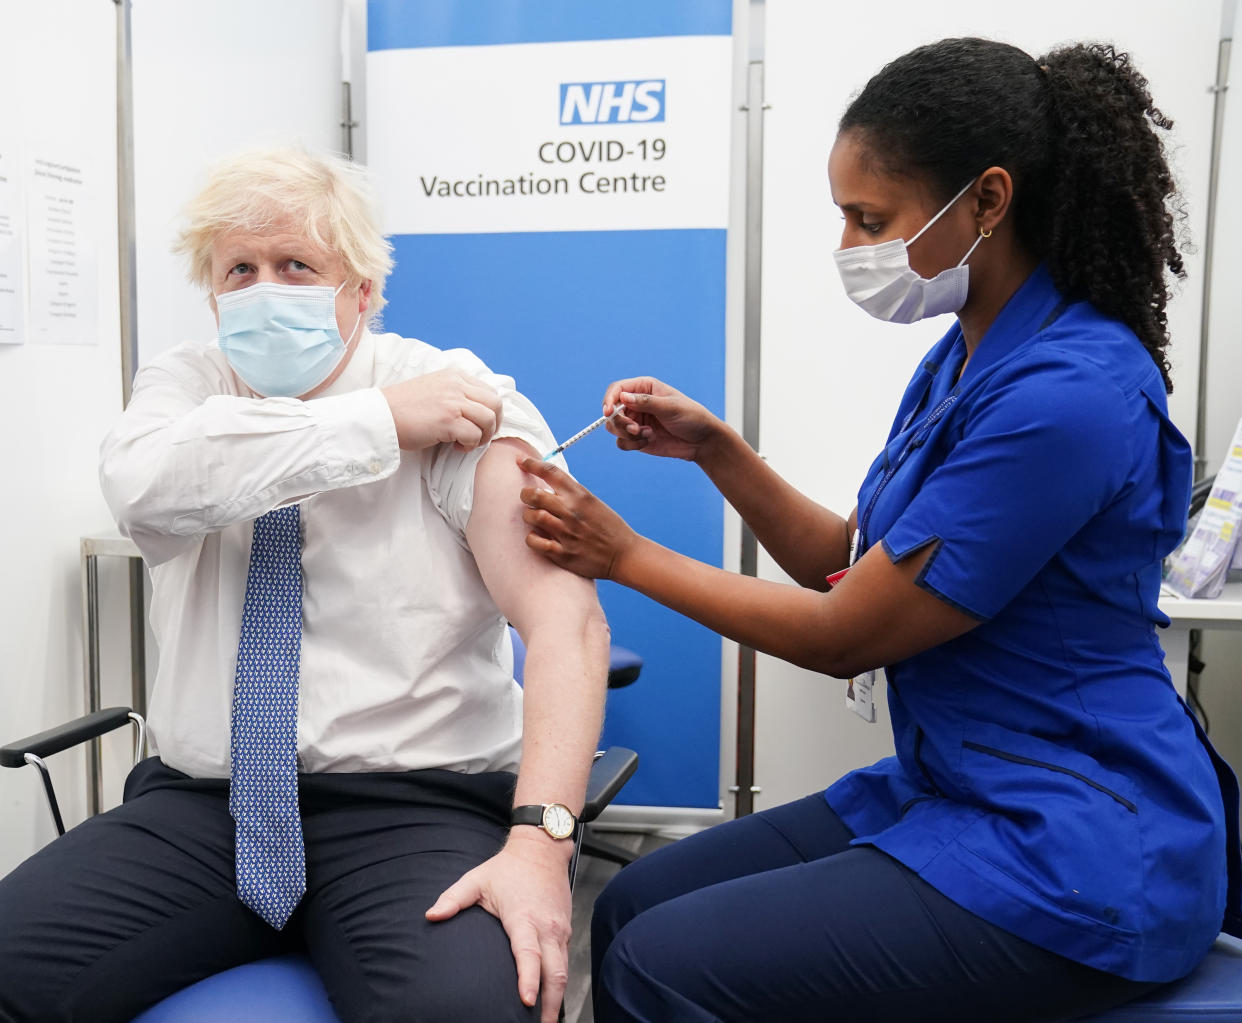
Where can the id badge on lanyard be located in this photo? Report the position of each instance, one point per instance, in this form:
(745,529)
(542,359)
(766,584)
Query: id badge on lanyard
(858,690)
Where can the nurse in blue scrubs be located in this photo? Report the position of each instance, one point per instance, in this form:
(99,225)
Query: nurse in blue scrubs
(1054,834)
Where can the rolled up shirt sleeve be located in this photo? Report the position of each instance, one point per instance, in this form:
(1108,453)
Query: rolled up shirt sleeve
(187,458)
(450,472)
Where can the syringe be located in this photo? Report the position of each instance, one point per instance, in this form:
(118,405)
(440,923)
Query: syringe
(581,433)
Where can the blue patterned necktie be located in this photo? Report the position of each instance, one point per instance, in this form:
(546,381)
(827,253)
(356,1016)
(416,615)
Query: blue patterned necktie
(263,791)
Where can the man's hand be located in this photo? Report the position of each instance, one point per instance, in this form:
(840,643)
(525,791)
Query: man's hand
(526,887)
(445,407)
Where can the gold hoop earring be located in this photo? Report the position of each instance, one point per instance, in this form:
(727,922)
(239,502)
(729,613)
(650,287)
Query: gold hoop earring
(984,234)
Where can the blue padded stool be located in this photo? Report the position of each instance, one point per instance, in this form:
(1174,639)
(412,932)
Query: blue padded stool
(283,989)
(1212,992)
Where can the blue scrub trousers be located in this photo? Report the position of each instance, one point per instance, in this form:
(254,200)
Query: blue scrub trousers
(776,917)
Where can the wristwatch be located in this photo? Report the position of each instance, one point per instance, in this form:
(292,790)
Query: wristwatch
(555,818)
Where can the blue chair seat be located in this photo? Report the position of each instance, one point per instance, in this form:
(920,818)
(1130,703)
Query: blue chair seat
(286,989)
(1212,992)
(283,989)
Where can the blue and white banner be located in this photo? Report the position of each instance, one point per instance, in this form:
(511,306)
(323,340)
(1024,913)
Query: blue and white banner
(555,179)
(553,136)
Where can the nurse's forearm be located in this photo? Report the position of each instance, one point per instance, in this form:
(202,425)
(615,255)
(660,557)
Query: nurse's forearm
(770,617)
(876,615)
(806,539)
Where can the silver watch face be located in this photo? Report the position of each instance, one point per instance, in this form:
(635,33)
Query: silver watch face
(558,821)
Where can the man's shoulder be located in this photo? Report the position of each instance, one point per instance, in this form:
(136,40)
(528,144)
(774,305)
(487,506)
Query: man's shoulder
(405,357)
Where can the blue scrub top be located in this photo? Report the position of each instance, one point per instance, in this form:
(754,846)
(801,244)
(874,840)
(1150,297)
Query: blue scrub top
(1047,777)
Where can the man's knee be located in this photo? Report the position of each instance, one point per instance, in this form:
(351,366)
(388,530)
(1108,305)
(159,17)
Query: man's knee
(33,964)
(429,1002)
(457,970)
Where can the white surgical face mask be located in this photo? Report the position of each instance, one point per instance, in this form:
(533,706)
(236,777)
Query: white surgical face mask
(879,278)
(282,339)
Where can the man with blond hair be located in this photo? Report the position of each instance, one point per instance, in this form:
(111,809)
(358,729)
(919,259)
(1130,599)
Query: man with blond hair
(344,761)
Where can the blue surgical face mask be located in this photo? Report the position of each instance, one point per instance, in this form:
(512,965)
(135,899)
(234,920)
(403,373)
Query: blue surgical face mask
(282,339)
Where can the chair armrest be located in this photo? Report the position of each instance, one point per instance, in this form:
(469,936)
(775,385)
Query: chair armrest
(611,770)
(62,737)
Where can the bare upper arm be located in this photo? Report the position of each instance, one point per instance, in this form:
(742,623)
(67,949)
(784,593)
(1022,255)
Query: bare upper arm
(526,587)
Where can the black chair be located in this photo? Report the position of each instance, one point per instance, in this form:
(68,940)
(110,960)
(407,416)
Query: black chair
(281,989)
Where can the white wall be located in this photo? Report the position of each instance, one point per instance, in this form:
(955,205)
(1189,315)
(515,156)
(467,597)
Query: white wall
(57,57)
(1224,364)
(211,80)
(1221,682)
(831,375)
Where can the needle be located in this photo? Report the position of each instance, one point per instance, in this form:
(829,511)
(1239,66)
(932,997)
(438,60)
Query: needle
(581,433)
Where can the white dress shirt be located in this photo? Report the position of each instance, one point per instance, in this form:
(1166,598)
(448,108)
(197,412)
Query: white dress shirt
(405,661)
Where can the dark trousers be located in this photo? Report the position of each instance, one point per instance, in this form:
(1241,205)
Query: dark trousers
(775,917)
(137,903)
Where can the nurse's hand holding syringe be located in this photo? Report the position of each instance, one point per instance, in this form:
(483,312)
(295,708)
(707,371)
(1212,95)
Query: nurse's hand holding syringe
(659,420)
(807,540)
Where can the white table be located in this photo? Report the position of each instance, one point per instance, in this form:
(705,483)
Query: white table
(1225,612)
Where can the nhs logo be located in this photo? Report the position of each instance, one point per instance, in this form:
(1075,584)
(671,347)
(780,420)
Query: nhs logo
(612,102)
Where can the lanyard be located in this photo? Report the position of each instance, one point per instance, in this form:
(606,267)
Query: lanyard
(915,442)
(920,436)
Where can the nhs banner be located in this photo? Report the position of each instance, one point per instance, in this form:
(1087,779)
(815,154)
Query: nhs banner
(560,136)
(554,178)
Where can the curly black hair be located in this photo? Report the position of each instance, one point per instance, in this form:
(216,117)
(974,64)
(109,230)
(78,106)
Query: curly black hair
(1094,197)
